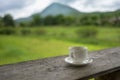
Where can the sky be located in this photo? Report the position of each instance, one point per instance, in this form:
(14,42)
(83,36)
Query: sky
(25,8)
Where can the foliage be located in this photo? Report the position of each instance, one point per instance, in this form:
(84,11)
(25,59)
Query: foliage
(17,48)
(8,20)
(48,20)
(1,22)
(97,19)
(87,32)
(7,31)
(40,32)
(36,20)
(58,20)
(62,34)
(22,24)
(25,31)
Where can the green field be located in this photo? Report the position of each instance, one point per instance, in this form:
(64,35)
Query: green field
(54,42)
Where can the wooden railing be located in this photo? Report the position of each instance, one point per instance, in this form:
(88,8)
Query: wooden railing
(106,66)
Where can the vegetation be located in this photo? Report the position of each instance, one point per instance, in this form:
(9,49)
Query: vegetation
(52,35)
(41,42)
(87,32)
(96,19)
(8,20)
(36,20)
(25,32)
(7,31)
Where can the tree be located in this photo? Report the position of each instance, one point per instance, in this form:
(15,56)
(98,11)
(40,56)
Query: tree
(49,20)
(22,24)
(85,20)
(8,20)
(1,22)
(69,20)
(37,20)
(95,20)
(58,20)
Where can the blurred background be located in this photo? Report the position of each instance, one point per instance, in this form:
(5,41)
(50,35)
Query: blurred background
(37,29)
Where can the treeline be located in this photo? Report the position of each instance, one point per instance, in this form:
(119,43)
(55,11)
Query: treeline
(37,20)
(97,19)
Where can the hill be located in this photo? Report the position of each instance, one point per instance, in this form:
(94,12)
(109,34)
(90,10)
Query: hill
(57,9)
(54,9)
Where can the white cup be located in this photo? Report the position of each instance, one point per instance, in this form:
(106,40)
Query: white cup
(78,53)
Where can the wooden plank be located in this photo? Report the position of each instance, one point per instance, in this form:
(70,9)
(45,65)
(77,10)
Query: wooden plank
(105,61)
(111,76)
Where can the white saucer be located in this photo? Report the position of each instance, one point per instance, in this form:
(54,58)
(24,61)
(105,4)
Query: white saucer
(72,62)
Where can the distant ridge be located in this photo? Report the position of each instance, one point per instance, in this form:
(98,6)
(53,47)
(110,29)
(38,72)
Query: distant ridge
(57,8)
(54,9)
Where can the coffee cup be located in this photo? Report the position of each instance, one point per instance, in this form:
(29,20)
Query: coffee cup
(78,53)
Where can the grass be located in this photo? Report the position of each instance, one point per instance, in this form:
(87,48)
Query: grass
(17,48)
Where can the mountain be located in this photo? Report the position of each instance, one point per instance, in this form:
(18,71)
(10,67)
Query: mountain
(24,19)
(57,8)
(54,9)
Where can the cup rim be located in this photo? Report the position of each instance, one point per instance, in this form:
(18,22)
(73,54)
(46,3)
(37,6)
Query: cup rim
(73,47)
